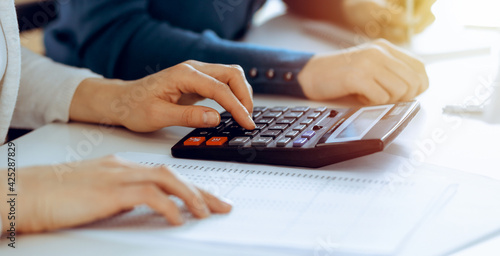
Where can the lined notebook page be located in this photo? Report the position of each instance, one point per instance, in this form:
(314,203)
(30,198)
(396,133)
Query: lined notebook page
(333,211)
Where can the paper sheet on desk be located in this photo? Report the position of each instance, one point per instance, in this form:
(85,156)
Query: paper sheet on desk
(352,210)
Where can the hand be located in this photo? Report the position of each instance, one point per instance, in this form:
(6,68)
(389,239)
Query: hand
(378,73)
(163,99)
(97,189)
(387,18)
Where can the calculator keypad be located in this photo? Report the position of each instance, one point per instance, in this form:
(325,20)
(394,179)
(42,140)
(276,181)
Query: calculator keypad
(278,126)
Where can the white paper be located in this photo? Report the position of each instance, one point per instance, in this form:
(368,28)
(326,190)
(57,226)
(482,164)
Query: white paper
(336,211)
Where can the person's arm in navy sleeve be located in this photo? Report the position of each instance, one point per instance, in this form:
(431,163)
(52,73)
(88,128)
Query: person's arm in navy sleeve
(120,39)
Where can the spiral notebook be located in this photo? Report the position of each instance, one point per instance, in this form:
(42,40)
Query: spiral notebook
(366,211)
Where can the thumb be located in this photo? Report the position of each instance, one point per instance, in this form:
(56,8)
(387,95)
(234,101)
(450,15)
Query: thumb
(191,116)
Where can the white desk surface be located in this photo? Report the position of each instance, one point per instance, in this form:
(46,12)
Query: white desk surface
(470,146)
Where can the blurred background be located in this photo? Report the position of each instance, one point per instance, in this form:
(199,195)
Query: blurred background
(451,15)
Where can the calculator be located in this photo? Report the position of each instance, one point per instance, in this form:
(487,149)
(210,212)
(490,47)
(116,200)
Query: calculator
(300,135)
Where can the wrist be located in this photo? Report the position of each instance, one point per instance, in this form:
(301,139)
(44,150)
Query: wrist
(96,100)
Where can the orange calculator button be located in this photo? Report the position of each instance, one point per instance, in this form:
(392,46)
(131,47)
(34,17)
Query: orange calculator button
(194,141)
(216,141)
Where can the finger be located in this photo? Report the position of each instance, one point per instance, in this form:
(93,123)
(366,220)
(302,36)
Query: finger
(172,184)
(197,82)
(188,116)
(374,93)
(232,75)
(215,204)
(415,79)
(423,7)
(402,55)
(154,197)
(394,85)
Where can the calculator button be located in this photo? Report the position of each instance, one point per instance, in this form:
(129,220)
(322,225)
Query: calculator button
(259,109)
(261,141)
(235,127)
(300,142)
(314,115)
(294,115)
(333,113)
(299,128)
(256,114)
(317,127)
(286,121)
(307,121)
(272,115)
(308,134)
(225,120)
(300,109)
(239,141)
(204,133)
(219,127)
(264,121)
(260,126)
(320,109)
(283,142)
(278,127)
(225,133)
(270,133)
(251,133)
(216,141)
(225,115)
(194,141)
(292,134)
(279,109)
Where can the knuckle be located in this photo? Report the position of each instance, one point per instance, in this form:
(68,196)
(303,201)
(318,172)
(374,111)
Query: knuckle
(237,68)
(382,42)
(190,62)
(185,67)
(113,161)
(188,117)
(374,51)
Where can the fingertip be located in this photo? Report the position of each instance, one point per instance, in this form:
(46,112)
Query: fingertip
(176,221)
(225,205)
(251,123)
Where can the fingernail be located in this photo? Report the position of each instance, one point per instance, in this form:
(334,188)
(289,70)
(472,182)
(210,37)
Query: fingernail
(226,202)
(210,118)
(251,120)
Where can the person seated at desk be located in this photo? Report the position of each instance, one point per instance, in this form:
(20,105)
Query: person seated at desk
(35,91)
(132,39)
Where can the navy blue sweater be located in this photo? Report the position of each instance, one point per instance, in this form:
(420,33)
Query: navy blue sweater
(129,39)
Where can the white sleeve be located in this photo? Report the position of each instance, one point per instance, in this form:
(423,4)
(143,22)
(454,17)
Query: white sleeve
(45,91)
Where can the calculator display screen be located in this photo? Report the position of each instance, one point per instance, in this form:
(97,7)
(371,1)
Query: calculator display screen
(359,124)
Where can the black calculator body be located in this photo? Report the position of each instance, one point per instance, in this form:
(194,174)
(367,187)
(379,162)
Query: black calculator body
(300,136)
